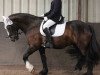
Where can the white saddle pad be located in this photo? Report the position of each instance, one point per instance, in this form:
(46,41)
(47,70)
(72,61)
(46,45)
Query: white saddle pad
(59,30)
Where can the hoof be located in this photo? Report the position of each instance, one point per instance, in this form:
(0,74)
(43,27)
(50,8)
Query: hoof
(85,74)
(88,74)
(78,68)
(30,67)
(77,72)
(43,73)
(33,71)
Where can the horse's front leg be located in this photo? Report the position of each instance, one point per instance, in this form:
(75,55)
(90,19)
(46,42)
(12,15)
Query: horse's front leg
(29,66)
(44,62)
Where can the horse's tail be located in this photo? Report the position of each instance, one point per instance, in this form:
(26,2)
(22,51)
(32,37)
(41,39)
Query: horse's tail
(94,48)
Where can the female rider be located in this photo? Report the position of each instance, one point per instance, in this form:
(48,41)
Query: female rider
(51,18)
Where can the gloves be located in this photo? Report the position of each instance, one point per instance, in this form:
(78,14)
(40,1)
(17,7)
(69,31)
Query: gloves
(45,18)
(42,15)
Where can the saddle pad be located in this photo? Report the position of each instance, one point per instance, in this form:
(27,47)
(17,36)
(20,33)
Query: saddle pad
(59,30)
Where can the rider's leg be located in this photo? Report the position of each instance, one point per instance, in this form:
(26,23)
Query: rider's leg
(48,43)
(46,26)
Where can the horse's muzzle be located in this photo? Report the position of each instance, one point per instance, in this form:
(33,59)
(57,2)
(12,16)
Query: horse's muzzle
(14,38)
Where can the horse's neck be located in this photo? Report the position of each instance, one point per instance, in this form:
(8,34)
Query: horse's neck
(28,25)
(25,21)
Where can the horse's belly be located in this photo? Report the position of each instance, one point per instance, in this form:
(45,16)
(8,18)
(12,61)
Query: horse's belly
(60,42)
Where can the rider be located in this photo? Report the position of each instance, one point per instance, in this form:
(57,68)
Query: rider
(51,18)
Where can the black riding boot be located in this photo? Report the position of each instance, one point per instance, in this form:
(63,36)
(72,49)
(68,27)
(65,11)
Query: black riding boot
(48,43)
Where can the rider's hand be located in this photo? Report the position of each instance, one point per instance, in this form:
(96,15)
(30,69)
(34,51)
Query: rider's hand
(45,18)
(42,15)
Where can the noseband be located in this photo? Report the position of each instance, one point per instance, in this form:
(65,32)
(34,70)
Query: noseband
(19,33)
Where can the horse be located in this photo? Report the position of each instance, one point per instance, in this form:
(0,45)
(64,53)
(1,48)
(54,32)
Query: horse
(77,33)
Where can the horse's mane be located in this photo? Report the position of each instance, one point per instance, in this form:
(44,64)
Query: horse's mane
(25,18)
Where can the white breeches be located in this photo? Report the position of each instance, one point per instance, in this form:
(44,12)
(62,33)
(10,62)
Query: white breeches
(48,24)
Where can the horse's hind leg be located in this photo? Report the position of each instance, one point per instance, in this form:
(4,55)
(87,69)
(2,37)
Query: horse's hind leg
(90,63)
(89,68)
(29,66)
(80,63)
(81,59)
(43,58)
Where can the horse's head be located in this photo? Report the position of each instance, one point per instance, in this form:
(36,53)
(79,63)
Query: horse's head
(11,28)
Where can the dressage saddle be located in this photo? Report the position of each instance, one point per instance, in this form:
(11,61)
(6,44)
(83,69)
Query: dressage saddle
(52,28)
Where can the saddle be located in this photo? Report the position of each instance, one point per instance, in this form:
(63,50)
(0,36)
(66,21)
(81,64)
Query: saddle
(60,22)
(55,30)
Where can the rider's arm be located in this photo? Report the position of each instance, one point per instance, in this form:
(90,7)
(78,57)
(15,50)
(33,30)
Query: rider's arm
(57,6)
(48,12)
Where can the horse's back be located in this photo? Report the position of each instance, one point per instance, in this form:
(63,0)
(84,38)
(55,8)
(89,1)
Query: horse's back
(78,25)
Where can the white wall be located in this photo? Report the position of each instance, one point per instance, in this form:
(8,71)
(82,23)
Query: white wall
(90,8)
(97,11)
(84,10)
(94,10)
(73,9)
(36,7)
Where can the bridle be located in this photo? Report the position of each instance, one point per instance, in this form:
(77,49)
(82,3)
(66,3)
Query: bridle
(13,29)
